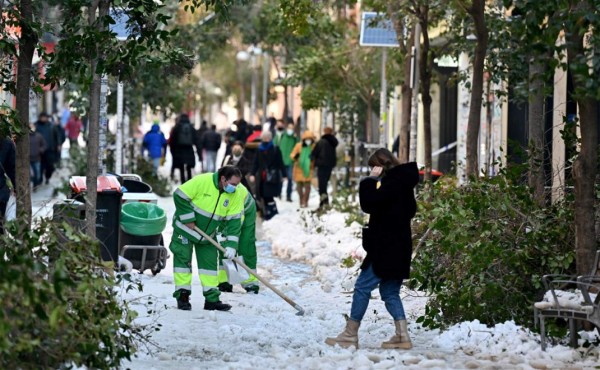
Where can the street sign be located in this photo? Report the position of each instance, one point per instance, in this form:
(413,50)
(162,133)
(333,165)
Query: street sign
(377,30)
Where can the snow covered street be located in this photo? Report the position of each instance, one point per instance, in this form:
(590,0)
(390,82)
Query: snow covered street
(301,255)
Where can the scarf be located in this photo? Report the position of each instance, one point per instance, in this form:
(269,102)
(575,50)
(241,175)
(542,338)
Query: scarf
(305,160)
(265,146)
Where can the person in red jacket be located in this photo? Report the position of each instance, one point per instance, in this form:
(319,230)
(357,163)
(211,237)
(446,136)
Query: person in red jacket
(73,129)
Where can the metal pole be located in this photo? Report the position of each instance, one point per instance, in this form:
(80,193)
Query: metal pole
(128,143)
(103,125)
(253,87)
(119,148)
(383,101)
(265,86)
(414,112)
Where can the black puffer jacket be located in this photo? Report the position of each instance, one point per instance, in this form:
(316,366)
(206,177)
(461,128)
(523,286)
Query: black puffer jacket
(182,154)
(388,239)
(211,141)
(324,152)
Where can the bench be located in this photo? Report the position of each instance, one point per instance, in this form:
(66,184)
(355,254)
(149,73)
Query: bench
(582,304)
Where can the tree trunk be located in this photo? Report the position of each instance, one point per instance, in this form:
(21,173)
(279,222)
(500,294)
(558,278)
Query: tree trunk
(586,164)
(102,6)
(405,45)
(286,108)
(477,12)
(536,176)
(425,76)
(406,102)
(27,44)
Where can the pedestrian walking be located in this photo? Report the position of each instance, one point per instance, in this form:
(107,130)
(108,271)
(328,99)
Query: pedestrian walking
(7,173)
(325,160)
(37,146)
(73,129)
(214,203)
(155,143)
(239,159)
(285,140)
(387,195)
(50,135)
(210,144)
(303,166)
(182,144)
(243,130)
(268,172)
(198,141)
(61,137)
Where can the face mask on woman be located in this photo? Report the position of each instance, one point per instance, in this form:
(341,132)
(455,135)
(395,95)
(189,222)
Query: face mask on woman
(308,142)
(279,129)
(290,132)
(236,153)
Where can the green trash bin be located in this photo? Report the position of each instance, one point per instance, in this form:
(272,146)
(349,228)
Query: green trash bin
(142,224)
(143,219)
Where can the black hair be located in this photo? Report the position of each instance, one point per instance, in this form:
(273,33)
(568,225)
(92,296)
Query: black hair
(229,171)
(239,142)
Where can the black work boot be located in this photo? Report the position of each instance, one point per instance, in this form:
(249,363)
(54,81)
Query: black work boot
(183,301)
(219,306)
(225,287)
(252,289)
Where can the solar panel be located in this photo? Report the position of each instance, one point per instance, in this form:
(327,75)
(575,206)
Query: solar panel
(377,30)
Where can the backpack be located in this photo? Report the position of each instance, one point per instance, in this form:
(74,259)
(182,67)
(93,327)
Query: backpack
(186,134)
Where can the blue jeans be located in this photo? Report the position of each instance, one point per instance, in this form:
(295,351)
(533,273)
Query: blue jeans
(155,165)
(210,159)
(36,168)
(390,293)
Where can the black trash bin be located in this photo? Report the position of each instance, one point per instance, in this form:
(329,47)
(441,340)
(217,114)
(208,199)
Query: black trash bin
(108,212)
(134,186)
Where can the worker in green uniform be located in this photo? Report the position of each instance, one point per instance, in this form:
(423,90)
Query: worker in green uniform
(210,202)
(246,248)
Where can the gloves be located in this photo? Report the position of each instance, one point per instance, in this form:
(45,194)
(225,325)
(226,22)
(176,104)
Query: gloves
(230,253)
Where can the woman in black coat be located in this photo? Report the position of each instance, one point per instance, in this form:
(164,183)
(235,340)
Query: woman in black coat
(268,172)
(183,154)
(387,195)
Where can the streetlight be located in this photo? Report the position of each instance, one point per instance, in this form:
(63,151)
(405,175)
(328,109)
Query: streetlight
(244,56)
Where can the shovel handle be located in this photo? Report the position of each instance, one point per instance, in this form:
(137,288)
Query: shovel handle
(261,279)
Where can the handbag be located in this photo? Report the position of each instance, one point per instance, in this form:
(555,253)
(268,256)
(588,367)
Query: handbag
(273,176)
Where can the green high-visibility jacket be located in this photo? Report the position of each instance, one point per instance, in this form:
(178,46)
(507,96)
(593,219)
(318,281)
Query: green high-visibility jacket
(286,143)
(199,200)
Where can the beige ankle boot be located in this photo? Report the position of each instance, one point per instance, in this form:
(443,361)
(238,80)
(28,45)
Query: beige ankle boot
(348,338)
(401,340)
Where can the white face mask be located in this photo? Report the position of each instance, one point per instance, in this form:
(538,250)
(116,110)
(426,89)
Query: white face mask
(290,132)
(308,142)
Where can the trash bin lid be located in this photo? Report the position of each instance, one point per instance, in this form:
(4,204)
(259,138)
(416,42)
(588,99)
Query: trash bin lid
(104,184)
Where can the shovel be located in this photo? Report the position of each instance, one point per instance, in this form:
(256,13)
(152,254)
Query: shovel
(261,279)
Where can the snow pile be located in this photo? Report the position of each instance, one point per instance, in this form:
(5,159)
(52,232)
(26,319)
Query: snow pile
(322,242)
(565,299)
